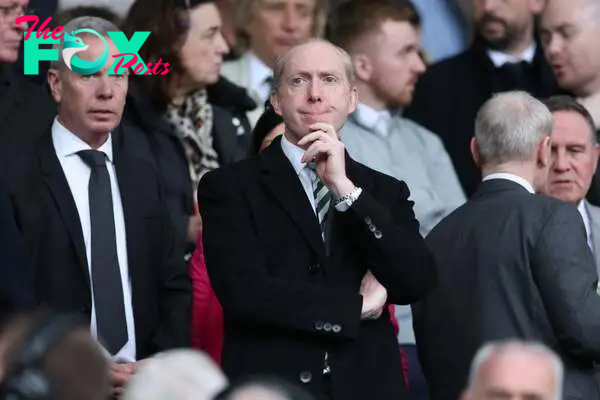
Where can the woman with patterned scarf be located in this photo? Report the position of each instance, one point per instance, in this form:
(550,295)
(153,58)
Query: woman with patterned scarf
(193,119)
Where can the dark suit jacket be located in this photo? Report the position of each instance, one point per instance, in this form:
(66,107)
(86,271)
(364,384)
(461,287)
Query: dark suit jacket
(510,265)
(448,96)
(231,133)
(286,299)
(16,293)
(26,109)
(48,220)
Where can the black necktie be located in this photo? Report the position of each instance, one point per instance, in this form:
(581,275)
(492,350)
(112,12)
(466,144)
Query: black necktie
(512,75)
(105,272)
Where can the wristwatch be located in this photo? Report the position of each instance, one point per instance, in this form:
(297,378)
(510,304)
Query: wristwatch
(349,198)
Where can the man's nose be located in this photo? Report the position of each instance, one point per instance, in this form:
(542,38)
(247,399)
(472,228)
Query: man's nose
(561,161)
(105,87)
(315,91)
(291,19)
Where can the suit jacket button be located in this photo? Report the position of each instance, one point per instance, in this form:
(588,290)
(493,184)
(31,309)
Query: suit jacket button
(314,268)
(372,228)
(377,234)
(336,328)
(327,327)
(319,325)
(368,221)
(305,377)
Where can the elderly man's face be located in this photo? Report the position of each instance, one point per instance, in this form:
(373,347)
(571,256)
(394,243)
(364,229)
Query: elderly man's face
(515,377)
(574,157)
(90,104)
(11,34)
(569,32)
(314,88)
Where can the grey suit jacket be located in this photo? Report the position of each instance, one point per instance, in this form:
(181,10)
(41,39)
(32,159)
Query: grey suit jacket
(510,265)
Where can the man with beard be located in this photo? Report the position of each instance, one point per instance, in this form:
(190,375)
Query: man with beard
(503,57)
(374,33)
(569,31)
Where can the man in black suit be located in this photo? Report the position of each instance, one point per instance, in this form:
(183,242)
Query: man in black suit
(511,264)
(93,218)
(26,109)
(504,56)
(16,293)
(298,238)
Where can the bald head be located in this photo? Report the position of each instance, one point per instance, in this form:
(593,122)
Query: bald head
(516,370)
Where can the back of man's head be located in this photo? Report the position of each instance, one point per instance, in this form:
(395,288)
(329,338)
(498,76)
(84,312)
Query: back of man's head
(52,356)
(515,369)
(512,128)
(264,388)
(176,375)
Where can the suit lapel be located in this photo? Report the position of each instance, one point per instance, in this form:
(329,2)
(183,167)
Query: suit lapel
(126,180)
(11,96)
(56,181)
(280,179)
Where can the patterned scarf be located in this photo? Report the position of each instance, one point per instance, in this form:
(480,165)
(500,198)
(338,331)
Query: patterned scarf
(193,122)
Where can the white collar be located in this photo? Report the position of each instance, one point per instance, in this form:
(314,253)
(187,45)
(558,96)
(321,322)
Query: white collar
(499,58)
(511,177)
(293,153)
(371,118)
(258,71)
(582,208)
(66,143)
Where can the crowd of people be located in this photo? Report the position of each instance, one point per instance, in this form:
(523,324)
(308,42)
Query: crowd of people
(315,202)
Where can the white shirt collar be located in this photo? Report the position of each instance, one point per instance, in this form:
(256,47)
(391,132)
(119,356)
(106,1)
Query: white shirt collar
(373,119)
(511,177)
(586,221)
(66,143)
(293,153)
(499,58)
(258,73)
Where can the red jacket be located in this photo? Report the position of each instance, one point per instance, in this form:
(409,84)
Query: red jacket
(207,314)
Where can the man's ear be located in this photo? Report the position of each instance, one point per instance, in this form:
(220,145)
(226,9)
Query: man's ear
(55,84)
(275,103)
(475,153)
(363,68)
(545,152)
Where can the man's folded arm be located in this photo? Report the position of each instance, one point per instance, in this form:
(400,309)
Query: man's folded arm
(247,292)
(392,248)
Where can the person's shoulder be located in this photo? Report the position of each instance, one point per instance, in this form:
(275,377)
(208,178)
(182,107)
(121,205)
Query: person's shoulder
(378,180)
(239,173)
(450,65)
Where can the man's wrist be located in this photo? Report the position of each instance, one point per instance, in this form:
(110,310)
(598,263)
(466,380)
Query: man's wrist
(339,190)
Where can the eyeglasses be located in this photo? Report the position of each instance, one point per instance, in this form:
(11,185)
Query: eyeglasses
(14,11)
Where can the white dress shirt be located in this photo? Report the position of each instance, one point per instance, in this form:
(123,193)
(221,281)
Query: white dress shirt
(511,177)
(586,222)
(259,72)
(378,121)
(77,172)
(499,58)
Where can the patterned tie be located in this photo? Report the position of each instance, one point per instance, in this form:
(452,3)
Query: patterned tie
(322,196)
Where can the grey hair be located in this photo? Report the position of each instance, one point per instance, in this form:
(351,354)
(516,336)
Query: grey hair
(512,346)
(509,127)
(100,25)
(178,374)
(281,62)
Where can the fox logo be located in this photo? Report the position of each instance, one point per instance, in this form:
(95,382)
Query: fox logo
(74,45)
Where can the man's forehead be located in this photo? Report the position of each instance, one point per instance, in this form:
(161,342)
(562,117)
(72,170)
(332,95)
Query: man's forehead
(314,59)
(7,3)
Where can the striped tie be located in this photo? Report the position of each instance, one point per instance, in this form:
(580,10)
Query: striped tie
(322,197)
